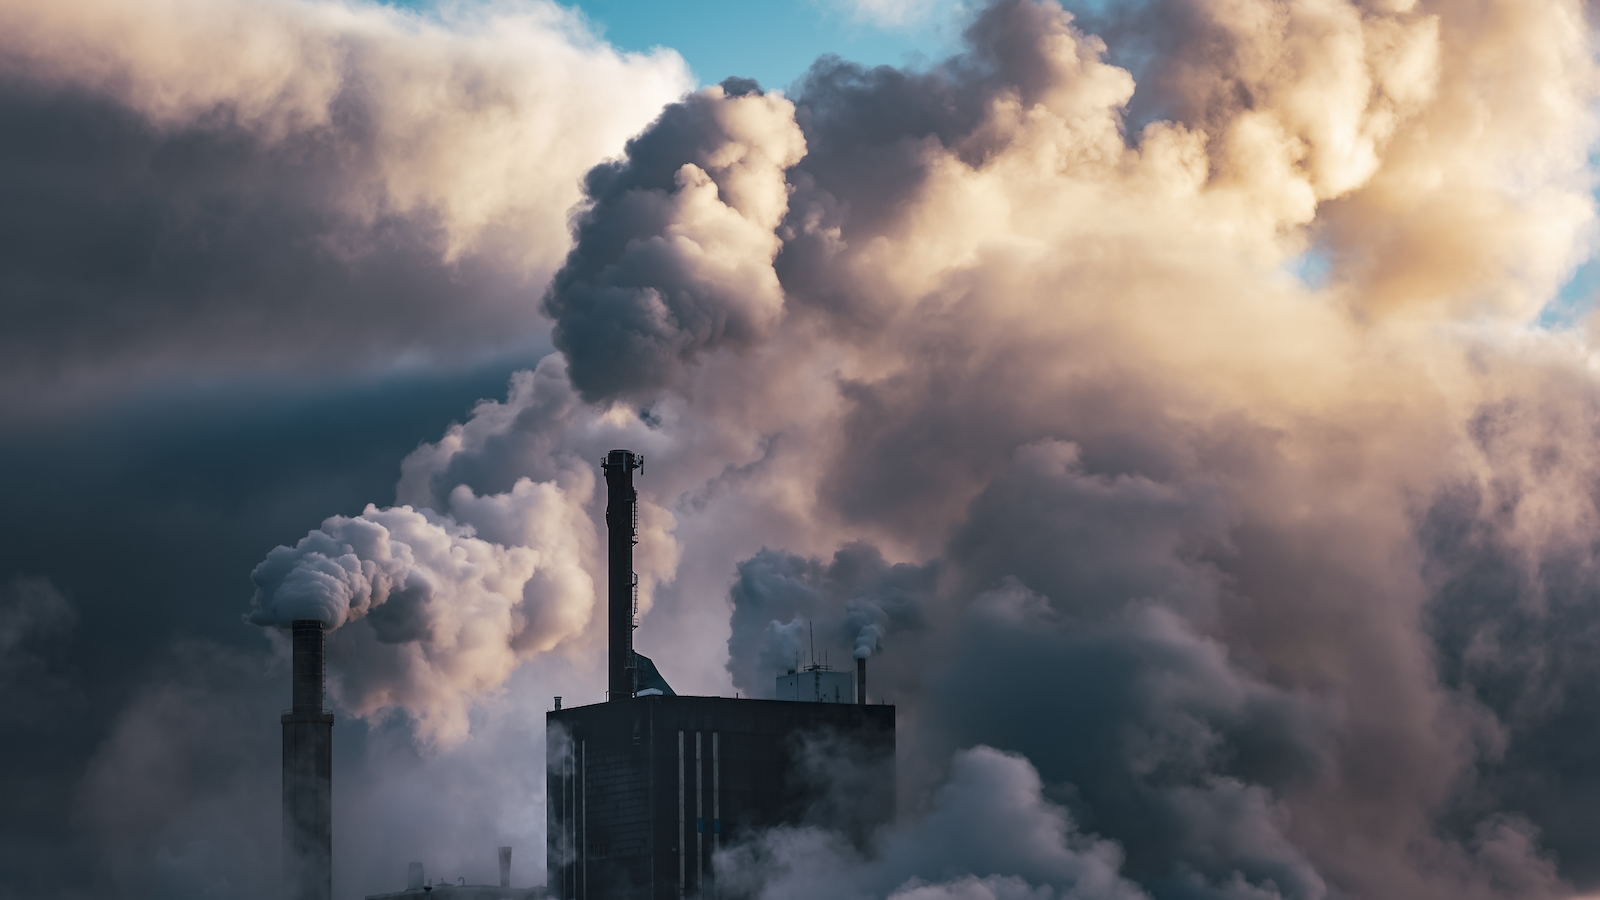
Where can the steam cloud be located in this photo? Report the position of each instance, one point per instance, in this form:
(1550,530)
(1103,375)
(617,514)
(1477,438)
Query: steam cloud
(448,614)
(989,821)
(1195,578)
(779,599)
(867,641)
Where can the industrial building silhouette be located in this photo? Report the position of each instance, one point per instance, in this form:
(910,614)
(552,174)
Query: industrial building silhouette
(644,788)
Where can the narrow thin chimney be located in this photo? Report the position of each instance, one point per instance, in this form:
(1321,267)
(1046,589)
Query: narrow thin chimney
(505,867)
(307,773)
(861,680)
(622,525)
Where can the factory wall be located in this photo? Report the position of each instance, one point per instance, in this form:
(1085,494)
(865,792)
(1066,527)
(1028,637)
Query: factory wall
(643,792)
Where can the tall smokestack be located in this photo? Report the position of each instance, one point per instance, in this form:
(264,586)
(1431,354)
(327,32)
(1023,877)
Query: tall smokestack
(622,524)
(861,680)
(307,774)
(505,867)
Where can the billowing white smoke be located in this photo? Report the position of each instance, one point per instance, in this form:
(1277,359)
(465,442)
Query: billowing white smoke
(441,616)
(867,641)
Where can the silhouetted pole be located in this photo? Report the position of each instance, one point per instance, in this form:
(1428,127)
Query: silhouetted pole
(307,774)
(622,526)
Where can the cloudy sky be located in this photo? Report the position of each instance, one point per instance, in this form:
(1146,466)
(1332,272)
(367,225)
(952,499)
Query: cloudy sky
(1192,404)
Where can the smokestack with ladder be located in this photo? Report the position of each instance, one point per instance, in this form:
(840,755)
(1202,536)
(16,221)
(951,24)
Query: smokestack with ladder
(622,596)
(307,773)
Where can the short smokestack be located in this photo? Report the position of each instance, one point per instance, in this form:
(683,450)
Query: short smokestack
(622,594)
(307,773)
(861,680)
(505,867)
(414,876)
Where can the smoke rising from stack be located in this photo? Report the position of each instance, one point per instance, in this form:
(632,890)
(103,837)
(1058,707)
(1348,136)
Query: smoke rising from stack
(1277,583)
(428,616)
(850,602)
(867,641)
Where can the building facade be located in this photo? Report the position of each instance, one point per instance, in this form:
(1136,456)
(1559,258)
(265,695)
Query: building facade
(643,792)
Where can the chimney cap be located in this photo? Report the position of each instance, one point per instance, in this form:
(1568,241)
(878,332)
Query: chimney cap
(623,459)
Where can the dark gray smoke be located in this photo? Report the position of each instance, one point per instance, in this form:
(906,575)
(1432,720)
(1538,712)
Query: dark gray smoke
(674,249)
(784,606)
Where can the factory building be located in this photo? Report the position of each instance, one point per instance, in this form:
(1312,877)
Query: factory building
(644,788)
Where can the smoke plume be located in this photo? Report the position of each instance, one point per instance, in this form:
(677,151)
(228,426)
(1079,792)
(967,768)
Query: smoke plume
(445,616)
(782,601)
(1167,411)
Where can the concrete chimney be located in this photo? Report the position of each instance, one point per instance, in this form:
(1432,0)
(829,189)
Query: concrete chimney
(414,876)
(505,867)
(622,525)
(307,773)
(861,680)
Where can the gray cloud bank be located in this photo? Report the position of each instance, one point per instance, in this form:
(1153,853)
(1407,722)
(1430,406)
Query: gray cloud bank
(282,188)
